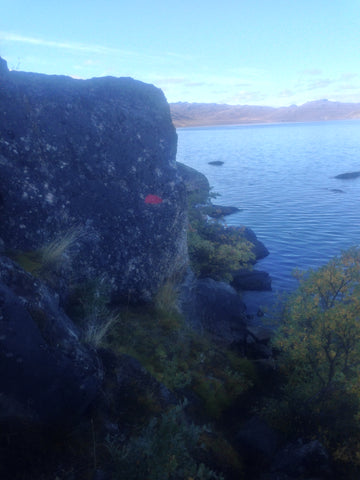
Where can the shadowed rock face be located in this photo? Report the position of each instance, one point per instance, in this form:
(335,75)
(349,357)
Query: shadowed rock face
(47,374)
(214,307)
(87,155)
(245,279)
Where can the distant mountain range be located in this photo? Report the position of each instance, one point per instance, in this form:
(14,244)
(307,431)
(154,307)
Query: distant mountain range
(207,114)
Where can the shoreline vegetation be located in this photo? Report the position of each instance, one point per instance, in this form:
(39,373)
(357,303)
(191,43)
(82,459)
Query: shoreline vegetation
(314,402)
(183,405)
(120,362)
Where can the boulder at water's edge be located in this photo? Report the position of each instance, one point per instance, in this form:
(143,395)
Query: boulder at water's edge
(88,157)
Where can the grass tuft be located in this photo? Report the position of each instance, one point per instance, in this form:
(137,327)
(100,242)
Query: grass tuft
(41,261)
(51,254)
(97,329)
(166,299)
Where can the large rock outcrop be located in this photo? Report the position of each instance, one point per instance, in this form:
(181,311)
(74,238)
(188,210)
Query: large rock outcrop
(95,158)
(214,307)
(48,376)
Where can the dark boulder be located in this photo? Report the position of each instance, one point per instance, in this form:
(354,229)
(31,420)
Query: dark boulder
(47,375)
(258,345)
(214,307)
(257,441)
(3,67)
(259,249)
(245,279)
(95,157)
(216,163)
(302,460)
(219,211)
(348,175)
(196,183)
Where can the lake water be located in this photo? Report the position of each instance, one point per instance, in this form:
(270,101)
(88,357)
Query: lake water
(282,177)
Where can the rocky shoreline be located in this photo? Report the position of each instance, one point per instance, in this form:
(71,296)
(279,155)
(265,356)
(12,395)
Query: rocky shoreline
(116,360)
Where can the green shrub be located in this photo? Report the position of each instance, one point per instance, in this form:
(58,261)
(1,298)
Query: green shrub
(220,389)
(164,450)
(216,251)
(178,357)
(319,361)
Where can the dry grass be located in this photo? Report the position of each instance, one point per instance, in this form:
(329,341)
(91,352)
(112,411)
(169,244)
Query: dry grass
(43,260)
(97,328)
(51,254)
(166,299)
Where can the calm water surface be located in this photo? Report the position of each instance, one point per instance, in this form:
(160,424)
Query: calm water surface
(282,177)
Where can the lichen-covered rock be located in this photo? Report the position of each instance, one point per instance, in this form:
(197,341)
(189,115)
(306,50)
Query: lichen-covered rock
(259,249)
(96,157)
(47,375)
(196,183)
(214,307)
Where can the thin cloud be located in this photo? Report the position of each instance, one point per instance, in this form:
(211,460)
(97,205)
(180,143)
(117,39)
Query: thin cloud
(311,71)
(195,84)
(178,56)
(319,84)
(287,93)
(134,59)
(74,46)
(349,86)
(247,73)
(243,85)
(346,97)
(349,76)
(170,81)
(245,97)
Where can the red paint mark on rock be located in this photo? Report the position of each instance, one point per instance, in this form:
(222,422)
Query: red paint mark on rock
(153,199)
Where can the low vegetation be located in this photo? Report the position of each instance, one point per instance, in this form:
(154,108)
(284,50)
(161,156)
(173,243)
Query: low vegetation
(182,359)
(43,261)
(163,450)
(316,389)
(318,345)
(162,443)
(215,251)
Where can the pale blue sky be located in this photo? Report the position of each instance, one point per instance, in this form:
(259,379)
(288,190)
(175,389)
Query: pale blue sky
(259,52)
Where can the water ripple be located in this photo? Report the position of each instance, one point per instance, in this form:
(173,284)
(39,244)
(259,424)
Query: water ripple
(282,176)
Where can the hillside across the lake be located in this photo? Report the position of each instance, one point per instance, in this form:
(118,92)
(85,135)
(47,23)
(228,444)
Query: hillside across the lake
(207,114)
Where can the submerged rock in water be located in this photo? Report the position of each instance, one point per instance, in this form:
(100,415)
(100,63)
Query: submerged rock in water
(245,279)
(348,176)
(95,158)
(216,163)
(219,211)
